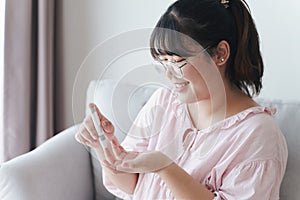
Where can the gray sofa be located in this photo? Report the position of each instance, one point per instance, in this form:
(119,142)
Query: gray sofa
(62,169)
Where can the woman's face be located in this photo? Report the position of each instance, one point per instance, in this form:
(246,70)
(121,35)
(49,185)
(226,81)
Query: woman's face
(193,86)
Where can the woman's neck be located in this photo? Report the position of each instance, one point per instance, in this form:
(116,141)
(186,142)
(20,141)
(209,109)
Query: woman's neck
(207,112)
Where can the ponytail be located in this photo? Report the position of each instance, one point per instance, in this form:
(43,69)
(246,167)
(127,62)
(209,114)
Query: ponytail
(247,66)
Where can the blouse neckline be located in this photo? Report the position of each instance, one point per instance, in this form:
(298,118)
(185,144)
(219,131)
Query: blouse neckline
(232,120)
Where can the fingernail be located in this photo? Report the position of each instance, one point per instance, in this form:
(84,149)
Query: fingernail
(122,149)
(114,142)
(104,123)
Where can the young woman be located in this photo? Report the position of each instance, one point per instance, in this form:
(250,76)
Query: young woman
(204,138)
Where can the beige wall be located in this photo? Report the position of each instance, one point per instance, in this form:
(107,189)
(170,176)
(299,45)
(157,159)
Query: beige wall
(278,26)
(84,24)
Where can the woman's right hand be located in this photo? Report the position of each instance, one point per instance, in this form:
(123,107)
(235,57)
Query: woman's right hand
(87,135)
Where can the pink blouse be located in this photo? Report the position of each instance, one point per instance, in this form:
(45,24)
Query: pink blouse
(241,157)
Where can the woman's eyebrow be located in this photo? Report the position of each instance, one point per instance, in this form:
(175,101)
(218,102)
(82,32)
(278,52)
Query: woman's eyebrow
(182,59)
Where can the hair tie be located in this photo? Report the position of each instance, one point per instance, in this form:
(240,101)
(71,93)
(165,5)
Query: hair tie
(225,3)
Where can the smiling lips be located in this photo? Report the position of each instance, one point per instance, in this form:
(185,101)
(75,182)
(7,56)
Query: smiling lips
(180,86)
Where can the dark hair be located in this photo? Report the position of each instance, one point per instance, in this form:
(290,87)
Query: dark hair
(208,22)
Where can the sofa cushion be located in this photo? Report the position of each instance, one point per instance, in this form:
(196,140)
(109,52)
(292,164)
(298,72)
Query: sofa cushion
(119,102)
(57,169)
(288,118)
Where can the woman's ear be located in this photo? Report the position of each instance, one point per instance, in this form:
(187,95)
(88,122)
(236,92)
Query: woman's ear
(222,53)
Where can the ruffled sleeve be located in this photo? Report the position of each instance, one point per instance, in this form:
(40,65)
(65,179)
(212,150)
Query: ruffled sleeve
(252,180)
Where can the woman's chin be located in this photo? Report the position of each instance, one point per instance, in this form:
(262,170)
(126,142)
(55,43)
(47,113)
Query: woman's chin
(186,98)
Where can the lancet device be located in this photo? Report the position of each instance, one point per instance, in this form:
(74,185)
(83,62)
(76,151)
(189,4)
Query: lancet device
(98,126)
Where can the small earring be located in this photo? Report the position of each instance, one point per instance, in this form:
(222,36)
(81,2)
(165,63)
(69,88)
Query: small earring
(222,60)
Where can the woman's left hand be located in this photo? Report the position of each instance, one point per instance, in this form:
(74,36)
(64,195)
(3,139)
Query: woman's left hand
(137,162)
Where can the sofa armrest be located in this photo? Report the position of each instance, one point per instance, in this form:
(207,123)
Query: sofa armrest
(59,169)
